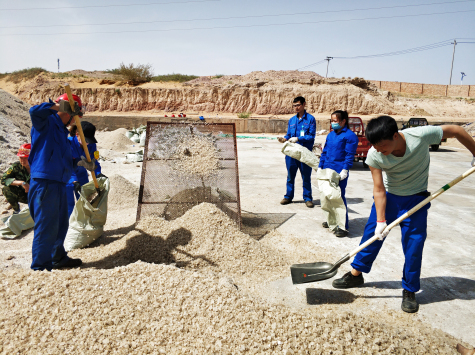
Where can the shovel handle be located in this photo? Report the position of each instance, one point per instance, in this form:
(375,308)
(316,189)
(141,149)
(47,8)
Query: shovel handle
(414,209)
(77,120)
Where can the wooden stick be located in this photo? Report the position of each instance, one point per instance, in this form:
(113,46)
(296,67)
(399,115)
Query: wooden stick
(81,134)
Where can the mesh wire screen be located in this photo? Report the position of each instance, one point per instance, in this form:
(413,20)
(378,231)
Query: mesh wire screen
(186,164)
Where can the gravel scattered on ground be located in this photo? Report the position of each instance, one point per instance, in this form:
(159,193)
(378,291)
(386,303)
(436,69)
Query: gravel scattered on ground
(160,309)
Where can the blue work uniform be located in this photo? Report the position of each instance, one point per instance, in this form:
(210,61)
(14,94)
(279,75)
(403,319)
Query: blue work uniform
(51,164)
(304,129)
(338,154)
(79,173)
(413,231)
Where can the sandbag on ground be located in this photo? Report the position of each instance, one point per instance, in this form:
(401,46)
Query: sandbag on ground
(16,223)
(86,223)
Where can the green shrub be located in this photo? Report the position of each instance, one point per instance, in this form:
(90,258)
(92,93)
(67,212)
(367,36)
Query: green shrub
(217,76)
(180,78)
(19,75)
(244,114)
(140,73)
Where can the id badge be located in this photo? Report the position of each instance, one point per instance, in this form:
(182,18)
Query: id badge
(302,133)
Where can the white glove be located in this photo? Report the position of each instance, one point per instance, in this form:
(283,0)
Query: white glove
(473,161)
(379,231)
(293,140)
(343,174)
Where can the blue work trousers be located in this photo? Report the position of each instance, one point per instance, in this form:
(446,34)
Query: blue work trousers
(72,195)
(342,185)
(414,233)
(49,209)
(293,165)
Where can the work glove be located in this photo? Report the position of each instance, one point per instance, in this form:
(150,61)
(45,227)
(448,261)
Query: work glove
(281,140)
(64,106)
(101,175)
(89,165)
(343,174)
(293,140)
(77,187)
(473,161)
(379,231)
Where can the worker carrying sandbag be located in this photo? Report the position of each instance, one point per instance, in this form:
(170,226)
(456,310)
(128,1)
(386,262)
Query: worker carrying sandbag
(338,154)
(301,130)
(79,175)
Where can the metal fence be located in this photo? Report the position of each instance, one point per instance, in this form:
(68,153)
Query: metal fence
(186,164)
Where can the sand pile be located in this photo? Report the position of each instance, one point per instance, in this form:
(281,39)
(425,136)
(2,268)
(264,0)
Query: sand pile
(158,309)
(203,238)
(115,140)
(197,156)
(15,125)
(123,193)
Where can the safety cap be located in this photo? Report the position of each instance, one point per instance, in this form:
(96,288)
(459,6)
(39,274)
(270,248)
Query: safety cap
(24,151)
(65,97)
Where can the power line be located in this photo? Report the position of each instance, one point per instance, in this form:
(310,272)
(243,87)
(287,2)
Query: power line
(239,26)
(113,5)
(241,17)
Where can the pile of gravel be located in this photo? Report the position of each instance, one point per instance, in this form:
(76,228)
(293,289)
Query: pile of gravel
(160,309)
(114,140)
(197,155)
(15,126)
(123,193)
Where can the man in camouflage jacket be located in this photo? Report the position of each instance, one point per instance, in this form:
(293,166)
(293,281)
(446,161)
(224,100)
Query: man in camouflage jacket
(16,180)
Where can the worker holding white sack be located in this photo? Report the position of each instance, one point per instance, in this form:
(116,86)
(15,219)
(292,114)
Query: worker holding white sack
(338,155)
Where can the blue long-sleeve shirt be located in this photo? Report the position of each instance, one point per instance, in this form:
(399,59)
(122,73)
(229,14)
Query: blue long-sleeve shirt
(80,173)
(309,126)
(339,151)
(50,157)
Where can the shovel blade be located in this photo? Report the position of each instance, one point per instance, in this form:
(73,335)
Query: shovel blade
(311,272)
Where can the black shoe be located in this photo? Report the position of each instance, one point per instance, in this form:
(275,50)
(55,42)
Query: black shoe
(67,262)
(309,204)
(340,233)
(348,281)
(325,225)
(285,201)
(409,302)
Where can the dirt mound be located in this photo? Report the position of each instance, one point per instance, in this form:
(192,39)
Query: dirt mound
(153,309)
(281,76)
(15,126)
(123,194)
(115,140)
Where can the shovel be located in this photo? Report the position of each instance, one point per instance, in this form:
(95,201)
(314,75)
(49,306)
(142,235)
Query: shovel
(311,272)
(83,139)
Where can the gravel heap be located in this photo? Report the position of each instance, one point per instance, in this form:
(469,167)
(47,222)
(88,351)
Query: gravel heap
(203,238)
(15,126)
(160,309)
(123,193)
(115,140)
(197,155)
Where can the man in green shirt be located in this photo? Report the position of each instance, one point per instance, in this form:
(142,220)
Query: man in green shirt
(404,157)
(16,180)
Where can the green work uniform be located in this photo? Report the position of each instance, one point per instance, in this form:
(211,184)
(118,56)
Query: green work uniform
(15,194)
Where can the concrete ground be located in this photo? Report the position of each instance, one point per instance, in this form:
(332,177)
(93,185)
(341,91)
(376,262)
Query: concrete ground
(447,295)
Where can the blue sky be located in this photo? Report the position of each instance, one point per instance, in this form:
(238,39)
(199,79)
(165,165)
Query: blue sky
(177,43)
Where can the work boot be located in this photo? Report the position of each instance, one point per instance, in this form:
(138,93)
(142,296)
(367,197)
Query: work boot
(309,204)
(348,281)
(285,201)
(325,225)
(67,262)
(340,233)
(409,302)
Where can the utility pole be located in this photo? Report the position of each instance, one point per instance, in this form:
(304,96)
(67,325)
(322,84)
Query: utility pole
(58,65)
(453,56)
(328,63)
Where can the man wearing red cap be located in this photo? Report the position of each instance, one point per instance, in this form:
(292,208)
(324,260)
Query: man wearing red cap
(16,180)
(51,164)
